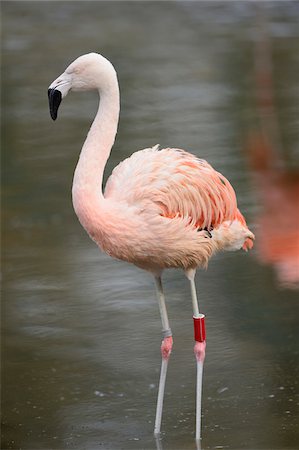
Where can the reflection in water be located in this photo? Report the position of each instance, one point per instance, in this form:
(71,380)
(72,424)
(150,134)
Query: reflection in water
(197,445)
(278,231)
(277,185)
(159,444)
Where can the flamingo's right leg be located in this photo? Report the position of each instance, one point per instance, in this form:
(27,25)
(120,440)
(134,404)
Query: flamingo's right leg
(166,347)
(199,349)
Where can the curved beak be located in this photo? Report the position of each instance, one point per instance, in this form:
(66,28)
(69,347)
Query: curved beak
(55,98)
(57,91)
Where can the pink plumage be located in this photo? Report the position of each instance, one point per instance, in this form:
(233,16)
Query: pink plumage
(175,195)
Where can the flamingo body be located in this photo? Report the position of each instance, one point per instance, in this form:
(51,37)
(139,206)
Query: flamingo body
(171,196)
(156,202)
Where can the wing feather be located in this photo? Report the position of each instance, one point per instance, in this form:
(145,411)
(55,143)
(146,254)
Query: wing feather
(174,183)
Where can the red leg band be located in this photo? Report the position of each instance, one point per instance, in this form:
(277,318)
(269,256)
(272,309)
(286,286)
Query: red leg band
(199,328)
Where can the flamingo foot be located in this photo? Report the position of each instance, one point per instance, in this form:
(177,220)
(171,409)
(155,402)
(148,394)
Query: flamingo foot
(166,347)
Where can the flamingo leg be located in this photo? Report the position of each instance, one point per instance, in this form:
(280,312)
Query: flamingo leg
(166,347)
(199,349)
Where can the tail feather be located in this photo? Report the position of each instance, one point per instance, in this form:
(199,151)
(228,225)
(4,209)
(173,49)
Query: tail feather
(248,243)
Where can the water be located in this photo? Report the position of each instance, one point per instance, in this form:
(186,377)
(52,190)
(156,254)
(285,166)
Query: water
(81,332)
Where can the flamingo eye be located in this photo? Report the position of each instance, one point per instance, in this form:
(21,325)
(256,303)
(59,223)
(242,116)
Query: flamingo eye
(71,70)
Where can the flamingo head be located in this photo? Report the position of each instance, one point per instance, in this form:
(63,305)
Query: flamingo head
(90,71)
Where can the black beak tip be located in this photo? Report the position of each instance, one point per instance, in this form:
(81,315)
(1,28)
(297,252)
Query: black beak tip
(55,97)
(53,116)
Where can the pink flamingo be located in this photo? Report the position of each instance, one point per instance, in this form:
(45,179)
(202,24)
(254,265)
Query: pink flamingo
(160,209)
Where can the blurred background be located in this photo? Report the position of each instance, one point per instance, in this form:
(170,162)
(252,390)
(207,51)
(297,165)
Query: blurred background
(80,331)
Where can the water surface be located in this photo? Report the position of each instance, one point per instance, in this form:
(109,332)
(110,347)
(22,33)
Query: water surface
(81,332)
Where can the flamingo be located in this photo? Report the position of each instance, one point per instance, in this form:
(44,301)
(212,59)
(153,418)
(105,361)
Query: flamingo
(161,208)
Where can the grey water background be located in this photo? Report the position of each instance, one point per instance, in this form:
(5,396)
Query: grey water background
(80,331)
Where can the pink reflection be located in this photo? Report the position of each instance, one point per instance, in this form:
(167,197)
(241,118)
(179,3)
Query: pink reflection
(277,185)
(277,235)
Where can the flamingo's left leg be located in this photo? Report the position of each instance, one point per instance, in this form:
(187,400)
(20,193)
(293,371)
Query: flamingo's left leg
(199,348)
(166,347)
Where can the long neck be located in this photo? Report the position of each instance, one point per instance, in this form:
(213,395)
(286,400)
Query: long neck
(88,177)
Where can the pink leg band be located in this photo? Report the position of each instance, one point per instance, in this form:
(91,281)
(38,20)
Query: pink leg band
(199,328)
